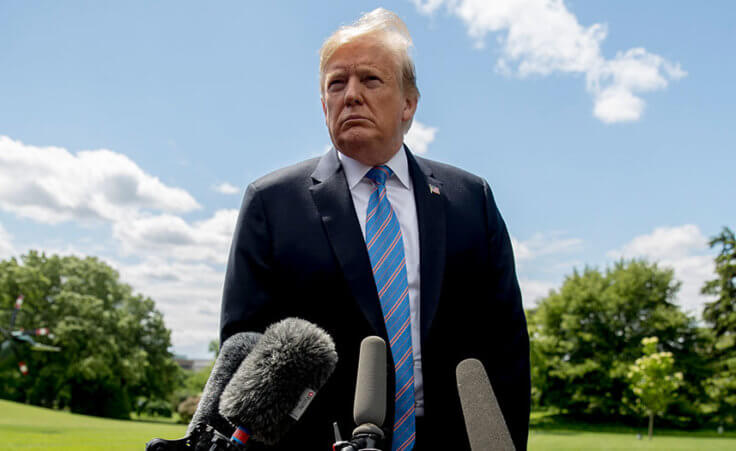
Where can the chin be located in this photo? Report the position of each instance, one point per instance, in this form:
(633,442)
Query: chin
(355,141)
(364,146)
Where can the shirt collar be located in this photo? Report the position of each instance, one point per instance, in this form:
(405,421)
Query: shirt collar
(355,171)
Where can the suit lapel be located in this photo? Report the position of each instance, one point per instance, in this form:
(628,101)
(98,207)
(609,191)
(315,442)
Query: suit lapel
(332,197)
(431,219)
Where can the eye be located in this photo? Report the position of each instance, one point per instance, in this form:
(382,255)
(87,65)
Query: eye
(372,81)
(335,84)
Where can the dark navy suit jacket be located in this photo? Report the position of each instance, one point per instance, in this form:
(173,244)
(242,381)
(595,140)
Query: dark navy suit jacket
(298,251)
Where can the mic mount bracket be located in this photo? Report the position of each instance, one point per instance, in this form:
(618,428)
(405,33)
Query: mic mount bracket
(366,437)
(203,437)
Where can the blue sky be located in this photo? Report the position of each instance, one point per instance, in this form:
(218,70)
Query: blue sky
(128,130)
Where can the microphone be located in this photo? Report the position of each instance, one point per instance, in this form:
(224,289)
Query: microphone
(484,421)
(232,352)
(207,425)
(369,407)
(277,381)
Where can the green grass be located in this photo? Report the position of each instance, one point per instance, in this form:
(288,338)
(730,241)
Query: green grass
(28,427)
(550,432)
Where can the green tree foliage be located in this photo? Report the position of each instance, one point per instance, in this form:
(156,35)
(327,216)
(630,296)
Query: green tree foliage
(585,336)
(214,347)
(653,381)
(721,315)
(721,387)
(114,343)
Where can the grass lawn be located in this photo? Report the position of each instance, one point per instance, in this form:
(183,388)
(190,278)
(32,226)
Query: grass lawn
(591,440)
(27,427)
(552,433)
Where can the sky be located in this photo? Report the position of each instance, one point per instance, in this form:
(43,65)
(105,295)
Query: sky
(129,130)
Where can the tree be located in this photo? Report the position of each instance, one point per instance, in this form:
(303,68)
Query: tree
(114,343)
(721,390)
(585,335)
(721,315)
(214,347)
(653,381)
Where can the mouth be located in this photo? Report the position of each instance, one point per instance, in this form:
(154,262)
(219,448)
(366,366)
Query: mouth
(354,119)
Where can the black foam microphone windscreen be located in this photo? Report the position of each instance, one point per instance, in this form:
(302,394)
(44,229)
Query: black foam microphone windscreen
(484,420)
(232,352)
(370,388)
(276,382)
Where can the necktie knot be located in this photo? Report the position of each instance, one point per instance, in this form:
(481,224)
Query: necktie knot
(379,174)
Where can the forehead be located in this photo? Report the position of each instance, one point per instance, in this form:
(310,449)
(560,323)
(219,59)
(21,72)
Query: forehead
(361,52)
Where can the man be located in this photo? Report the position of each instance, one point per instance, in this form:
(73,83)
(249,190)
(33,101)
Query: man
(371,240)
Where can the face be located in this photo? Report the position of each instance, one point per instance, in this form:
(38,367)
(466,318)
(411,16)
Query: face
(365,108)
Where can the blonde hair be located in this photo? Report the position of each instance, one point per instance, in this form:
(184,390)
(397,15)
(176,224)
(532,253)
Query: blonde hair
(387,28)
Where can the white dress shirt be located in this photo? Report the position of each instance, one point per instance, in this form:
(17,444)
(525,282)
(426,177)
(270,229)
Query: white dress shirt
(401,196)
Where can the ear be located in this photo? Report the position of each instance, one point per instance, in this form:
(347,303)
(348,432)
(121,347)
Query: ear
(410,107)
(324,107)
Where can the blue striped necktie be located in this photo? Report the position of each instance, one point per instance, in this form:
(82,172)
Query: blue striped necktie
(386,251)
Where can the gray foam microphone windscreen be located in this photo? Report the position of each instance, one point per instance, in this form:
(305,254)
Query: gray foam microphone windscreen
(370,389)
(484,420)
(232,352)
(276,381)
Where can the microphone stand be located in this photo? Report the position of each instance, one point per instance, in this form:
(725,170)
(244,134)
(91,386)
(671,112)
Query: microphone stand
(366,437)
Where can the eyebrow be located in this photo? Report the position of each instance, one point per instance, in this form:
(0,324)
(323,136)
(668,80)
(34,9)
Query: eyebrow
(359,68)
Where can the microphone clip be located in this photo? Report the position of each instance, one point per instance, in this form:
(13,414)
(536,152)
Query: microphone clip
(366,437)
(202,438)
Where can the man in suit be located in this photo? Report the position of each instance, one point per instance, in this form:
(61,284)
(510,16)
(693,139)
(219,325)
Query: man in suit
(372,240)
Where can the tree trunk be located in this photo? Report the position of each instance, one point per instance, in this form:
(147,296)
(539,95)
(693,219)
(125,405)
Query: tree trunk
(651,424)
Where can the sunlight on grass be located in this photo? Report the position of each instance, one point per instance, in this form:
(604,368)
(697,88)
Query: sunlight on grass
(28,427)
(24,427)
(550,432)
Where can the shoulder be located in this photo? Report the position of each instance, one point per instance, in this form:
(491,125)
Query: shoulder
(291,177)
(449,174)
(462,189)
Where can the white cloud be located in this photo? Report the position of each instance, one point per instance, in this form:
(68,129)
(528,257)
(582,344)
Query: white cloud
(685,250)
(226,188)
(188,294)
(428,6)
(51,185)
(541,37)
(6,244)
(176,262)
(534,290)
(171,236)
(543,244)
(665,243)
(419,137)
(181,269)
(540,254)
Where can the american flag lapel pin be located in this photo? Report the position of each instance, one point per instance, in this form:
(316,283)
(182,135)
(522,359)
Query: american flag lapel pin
(434,189)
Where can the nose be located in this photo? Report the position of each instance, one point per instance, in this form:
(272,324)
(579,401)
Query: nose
(353,92)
